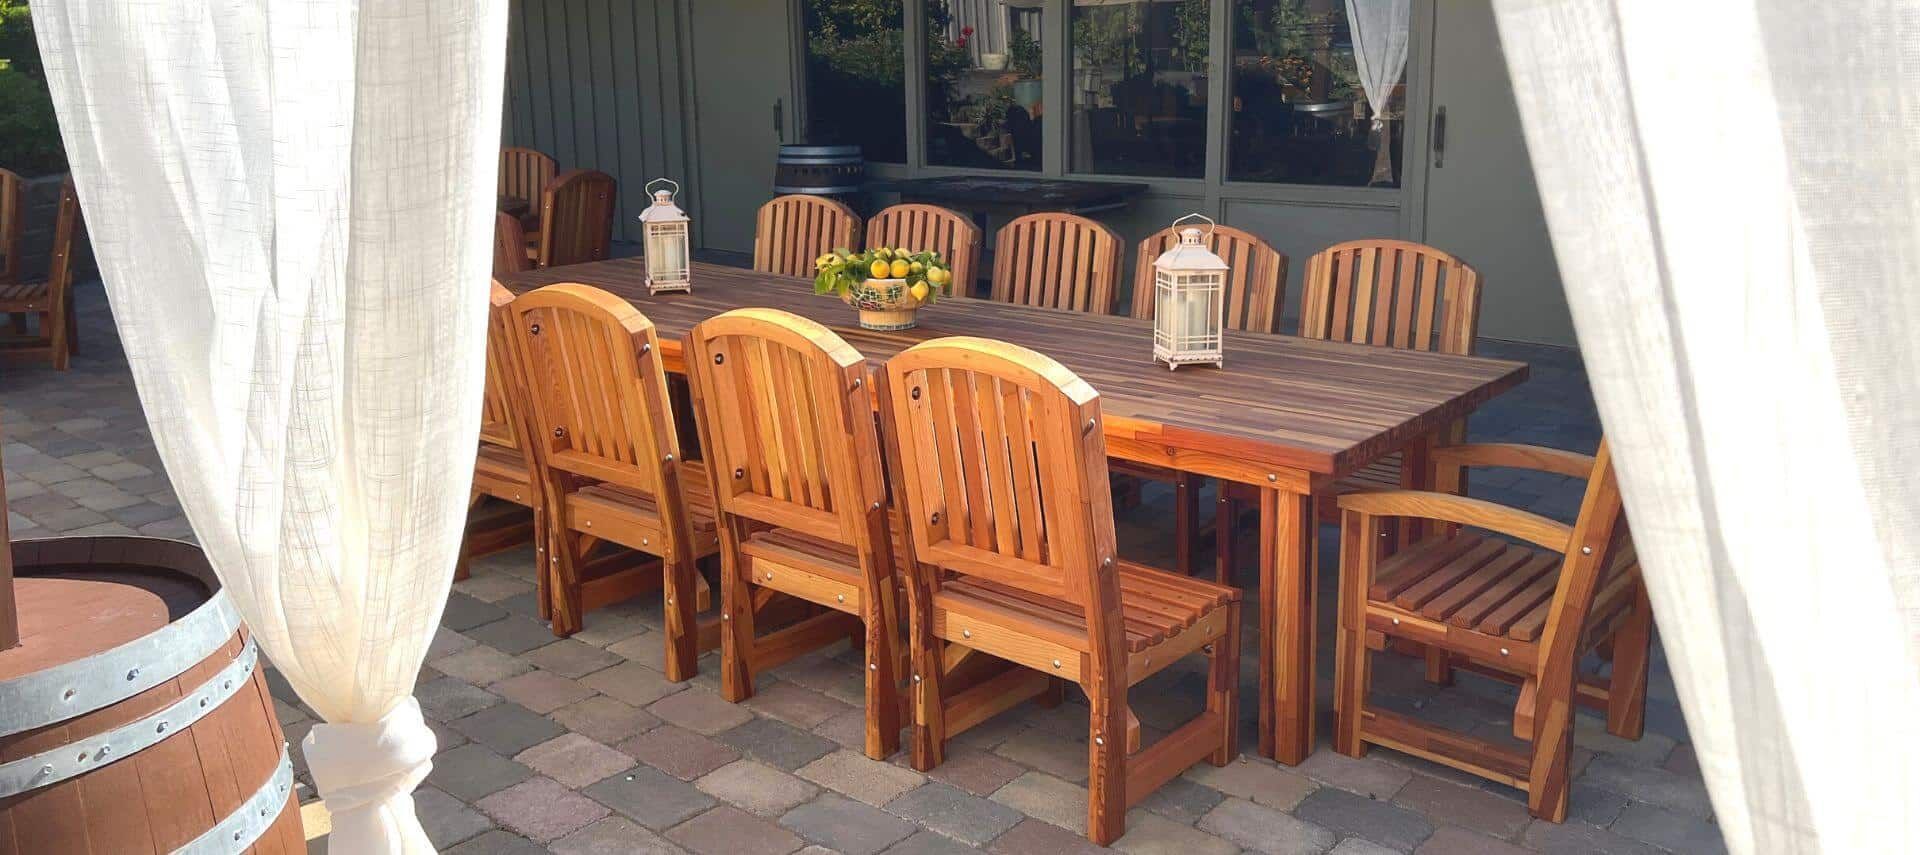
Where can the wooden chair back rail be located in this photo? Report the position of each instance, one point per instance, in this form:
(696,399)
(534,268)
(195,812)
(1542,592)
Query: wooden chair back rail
(1056,261)
(524,173)
(1004,479)
(792,444)
(930,227)
(509,246)
(1256,277)
(576,218)
(12,224)
(501,418)
(1391,293)
(599,395)
(791,231)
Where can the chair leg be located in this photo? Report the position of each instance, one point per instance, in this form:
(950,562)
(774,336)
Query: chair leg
(883,681)
(1439,666)
(929,707)
(462,568)
(1548,778)
(682,628)
(1107,762)
(542,568)
(58,344)
(19,323)
(1351,662)
(1223,687)
(1627,691)
(564,564)
(1186,515)
(73,327)
(736,628)
(1226,512)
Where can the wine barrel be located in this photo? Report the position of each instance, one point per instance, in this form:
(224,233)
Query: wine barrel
(820,170)
(133,714)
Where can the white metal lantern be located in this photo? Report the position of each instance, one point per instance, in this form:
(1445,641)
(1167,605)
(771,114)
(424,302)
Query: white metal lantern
(664,228)
(1189,303)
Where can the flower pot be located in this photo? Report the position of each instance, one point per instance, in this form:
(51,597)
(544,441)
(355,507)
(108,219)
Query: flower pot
(884,304)
(993,61)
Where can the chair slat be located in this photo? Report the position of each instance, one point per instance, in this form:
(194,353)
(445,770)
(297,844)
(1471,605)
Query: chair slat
(1257,276)
(576,218)
(1391,293)
(1056,261)
(791,231)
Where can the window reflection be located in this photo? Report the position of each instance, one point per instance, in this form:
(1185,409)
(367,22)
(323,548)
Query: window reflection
(1304,111)
(1140,87)
(984,83)
(856,76)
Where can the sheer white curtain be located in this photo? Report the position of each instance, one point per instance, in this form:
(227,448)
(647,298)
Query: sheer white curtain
(291,204)
(1379,32)
(1734,196)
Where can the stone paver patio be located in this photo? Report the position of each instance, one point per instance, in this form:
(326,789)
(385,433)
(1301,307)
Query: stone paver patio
(581,746)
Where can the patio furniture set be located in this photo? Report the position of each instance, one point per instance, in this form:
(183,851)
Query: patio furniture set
(54,336)
(940,495)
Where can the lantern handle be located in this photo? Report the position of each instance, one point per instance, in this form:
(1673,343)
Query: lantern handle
(648,190)
(1211,225)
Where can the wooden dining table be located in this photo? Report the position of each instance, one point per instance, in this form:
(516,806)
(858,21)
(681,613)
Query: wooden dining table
(1286,415)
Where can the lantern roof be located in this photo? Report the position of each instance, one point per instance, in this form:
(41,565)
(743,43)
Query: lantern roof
(663,210)
(1189,254)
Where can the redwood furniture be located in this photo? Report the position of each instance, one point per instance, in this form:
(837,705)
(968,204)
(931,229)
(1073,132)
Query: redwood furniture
(1056,261)
(505,469)
(1012,196)
(791,231)
(524,174)
(930,227)
(509,245)
(788,430)
(1286,417)
(576,219)
(52,299)
(1524,608)
(1004,484)
(610,464)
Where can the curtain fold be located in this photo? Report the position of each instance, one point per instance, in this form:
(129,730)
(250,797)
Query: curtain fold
(1735,222)
(1379,30)
(291,205)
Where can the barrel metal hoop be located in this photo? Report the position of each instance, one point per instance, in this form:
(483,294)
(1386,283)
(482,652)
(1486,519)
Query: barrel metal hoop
(58,764)
(815,191)
(254,816)
(64,691)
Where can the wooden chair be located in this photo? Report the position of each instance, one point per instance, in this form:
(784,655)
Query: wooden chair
(611,466)
(787,427)
(1256,289)
(504,469)
(1524,607)
(1387,293)
(52,299)
(509,246)
(576,219)
(791,231)
(931,227)
(1004,477)
(524,173)
(12,223)
(1056,261)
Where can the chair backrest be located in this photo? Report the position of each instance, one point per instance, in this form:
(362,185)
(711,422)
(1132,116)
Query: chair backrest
(576,218)
(524,173)
(1256,276)
(509,245)
(591,363)
(1004,463)
(1056,261)
(12,224)
(1599,560)
(68,227)
(787,421)
(1391,293)
(931,227)
(503,408)
(791,231)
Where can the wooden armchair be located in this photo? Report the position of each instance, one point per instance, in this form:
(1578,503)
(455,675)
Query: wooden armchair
(787,426)
(1256,289)
(1057,261)
(51,299)
(576,219)
(12,224)
(509,246)
(789,232)
(1523,607)
(524,173)
(1003,473)
(610,464)
(931,227)
(504,469)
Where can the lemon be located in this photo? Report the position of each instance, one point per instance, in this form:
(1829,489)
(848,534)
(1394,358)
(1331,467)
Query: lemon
(901,269)
(917,267)
(901,253)
(879,269)
(920,291)
(882,252)
(938,276)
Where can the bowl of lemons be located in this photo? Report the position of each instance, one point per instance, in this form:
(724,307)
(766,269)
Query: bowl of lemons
(886,286)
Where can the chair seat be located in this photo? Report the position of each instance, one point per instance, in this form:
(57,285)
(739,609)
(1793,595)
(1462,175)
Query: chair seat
(1489,586)
(502,463)
(835,560)
(1154,604)
(641,508)
(23,297)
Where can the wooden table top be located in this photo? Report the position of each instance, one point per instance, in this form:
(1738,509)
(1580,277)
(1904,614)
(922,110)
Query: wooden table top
(1323,407)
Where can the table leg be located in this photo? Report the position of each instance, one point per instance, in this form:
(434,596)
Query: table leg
(1287,585)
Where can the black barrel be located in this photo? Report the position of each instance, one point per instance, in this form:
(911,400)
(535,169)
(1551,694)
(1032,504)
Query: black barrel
(820,170)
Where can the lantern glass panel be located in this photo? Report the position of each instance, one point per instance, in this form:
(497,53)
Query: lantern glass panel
(1166,309)
(666,252)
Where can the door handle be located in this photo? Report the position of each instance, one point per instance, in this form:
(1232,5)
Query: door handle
(1439,136)
(779,121)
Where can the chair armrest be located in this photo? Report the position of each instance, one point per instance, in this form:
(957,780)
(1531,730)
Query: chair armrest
(1568,463)
(1479,513)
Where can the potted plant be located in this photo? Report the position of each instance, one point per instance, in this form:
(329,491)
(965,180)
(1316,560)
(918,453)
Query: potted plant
(885,285)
